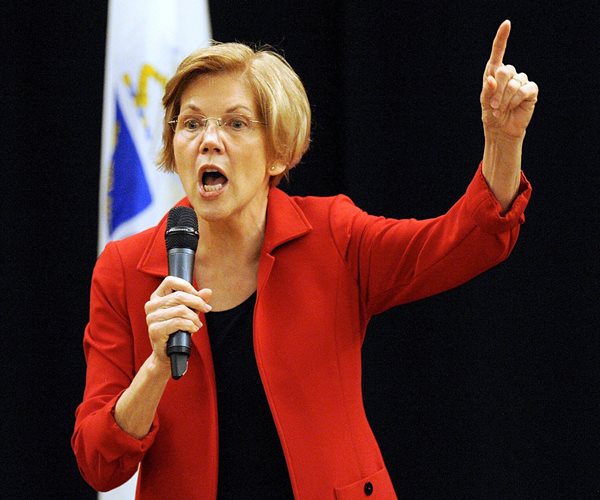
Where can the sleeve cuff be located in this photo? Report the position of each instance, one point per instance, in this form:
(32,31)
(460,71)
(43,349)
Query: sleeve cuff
(120,443)
(487,212)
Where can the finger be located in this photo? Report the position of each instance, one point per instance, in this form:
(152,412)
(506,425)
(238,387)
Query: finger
(160,332)
(173,283)
(522,77)
(183,298)
(163,322)
(175,299)
(526,96)
(512,87)
(196,301)
(499,44)
(502,75)
(205,293)
(513,94)
(179,313)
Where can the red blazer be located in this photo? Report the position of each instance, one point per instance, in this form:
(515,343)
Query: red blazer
(325,269)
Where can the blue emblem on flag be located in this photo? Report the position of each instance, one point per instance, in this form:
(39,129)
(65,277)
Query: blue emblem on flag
(129,193)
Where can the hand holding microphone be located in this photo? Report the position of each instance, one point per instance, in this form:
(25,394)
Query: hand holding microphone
(169,324)
(181,238)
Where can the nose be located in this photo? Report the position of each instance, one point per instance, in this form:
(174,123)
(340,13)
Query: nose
(211,138)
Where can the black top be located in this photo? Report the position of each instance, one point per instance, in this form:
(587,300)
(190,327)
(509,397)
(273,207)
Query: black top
(251,460)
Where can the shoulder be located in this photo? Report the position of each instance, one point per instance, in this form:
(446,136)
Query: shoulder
(322,207)
(127,269)
(145,250)
(130,247)
(151,239)
(330,218)
(338,214)
(144,253)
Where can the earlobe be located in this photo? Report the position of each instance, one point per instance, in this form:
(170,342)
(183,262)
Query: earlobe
(277,168)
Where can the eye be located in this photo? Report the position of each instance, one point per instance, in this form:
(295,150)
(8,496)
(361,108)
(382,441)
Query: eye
(191,124)
(236,122)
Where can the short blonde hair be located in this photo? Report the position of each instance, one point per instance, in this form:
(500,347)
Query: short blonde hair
(279,94)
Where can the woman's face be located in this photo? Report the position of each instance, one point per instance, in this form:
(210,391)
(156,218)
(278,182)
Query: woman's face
(224,169)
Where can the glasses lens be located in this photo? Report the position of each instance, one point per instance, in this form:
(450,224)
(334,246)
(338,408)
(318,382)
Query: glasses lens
(236,123)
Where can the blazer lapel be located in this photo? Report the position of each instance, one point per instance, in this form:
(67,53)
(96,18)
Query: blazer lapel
(285,222)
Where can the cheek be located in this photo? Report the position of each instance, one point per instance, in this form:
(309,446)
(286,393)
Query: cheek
(181,147)
(176,157)
(184,164)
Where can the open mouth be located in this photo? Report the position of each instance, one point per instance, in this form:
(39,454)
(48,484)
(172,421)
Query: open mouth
(213,180)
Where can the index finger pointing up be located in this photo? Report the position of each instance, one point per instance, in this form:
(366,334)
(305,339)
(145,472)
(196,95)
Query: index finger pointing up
(499,45)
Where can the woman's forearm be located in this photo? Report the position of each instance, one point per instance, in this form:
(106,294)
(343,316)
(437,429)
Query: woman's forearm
(135,409)
(502,167)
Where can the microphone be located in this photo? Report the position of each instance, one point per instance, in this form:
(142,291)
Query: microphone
(181,238)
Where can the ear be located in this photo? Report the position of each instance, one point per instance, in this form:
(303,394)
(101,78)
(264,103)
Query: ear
(277,168)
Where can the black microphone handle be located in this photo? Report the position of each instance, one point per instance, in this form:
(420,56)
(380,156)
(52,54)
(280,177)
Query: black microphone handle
(179,345)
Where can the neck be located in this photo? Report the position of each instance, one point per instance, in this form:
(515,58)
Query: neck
(227,259)
(240,238)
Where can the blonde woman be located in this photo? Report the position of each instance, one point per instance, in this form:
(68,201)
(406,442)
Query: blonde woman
(283,290)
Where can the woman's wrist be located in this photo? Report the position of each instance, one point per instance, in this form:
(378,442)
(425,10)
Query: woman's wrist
(158,366)
(502,166)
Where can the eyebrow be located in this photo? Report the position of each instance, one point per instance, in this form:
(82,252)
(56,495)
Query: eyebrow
(237,107)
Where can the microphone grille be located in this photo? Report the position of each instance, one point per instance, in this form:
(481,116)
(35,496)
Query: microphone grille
(182,229)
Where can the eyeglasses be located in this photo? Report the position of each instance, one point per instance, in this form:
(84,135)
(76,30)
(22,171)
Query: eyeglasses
(192,125)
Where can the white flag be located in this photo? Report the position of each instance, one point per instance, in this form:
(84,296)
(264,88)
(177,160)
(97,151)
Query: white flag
(146,40)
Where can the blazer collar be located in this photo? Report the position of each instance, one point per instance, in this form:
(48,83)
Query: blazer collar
(285,222)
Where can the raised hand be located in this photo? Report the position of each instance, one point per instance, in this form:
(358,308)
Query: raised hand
(507,98)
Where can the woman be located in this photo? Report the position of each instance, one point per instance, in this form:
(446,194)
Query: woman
(283,290)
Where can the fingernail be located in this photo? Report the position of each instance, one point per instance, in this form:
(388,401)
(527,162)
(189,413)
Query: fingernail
(494,103)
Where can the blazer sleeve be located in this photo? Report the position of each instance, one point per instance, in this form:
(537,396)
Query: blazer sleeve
(398,261)
(106,455)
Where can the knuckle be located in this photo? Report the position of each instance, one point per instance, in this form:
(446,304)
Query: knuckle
(179,296)
(181,310)
(502,71)
(514,85)
(149,306)
(153,329)
(167,283)
(183,324)
(150,318)
(169,279)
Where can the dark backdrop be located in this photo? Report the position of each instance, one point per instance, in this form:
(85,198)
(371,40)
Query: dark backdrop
(486,391)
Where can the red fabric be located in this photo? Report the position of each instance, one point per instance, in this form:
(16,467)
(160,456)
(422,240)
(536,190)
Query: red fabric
(326,267)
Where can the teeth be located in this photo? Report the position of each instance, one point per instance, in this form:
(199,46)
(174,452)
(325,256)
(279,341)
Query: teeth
(216,187)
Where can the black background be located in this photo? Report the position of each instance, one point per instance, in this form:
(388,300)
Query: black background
(486,391)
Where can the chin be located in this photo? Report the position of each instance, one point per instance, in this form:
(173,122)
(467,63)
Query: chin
(212,214)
